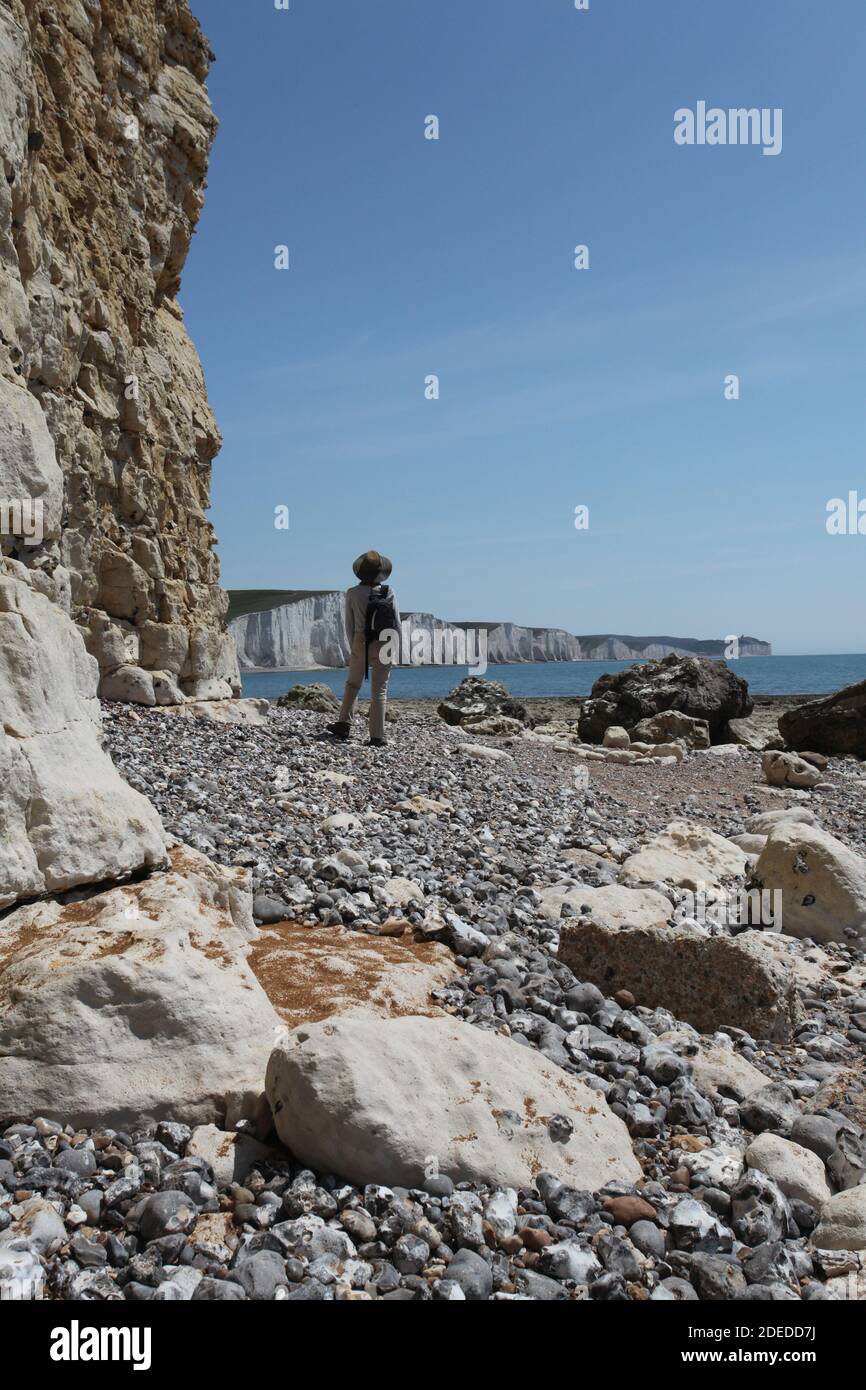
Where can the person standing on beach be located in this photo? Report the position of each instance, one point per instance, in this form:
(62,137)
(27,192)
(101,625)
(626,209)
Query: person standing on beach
(371,610)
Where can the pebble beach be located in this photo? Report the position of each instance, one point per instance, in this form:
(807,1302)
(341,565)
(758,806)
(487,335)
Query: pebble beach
(444,853)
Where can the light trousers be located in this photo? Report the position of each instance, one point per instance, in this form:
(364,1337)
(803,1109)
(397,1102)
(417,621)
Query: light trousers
(380,673)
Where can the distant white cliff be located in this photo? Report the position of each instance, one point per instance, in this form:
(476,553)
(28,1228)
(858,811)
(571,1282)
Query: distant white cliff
(306,631)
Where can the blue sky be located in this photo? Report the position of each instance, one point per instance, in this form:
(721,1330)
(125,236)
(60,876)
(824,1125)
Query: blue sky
(558,387)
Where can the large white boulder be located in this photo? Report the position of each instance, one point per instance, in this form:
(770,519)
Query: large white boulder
(37,1222)
(222,711)
(68,817)
(843,1222)
(822,882)
(130,684)
(715,1067)
(611,906)
(135,1004)
(812,969)
(401,893)
(797,1171)
(615,737)
(763,823)
(388,1100)
(688,855)
(722,1069)
(787,770)
(481,753)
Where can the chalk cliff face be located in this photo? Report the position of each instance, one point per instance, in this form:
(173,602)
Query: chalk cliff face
(509,642)
(309,632)
(105,131)
(613,648)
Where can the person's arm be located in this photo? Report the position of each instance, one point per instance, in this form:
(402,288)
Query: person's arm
(397,611)
(350,618)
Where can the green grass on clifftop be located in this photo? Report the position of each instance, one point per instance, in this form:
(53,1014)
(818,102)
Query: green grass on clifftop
(243,601)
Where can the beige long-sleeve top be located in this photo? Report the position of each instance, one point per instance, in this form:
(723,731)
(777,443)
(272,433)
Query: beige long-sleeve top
(357,599)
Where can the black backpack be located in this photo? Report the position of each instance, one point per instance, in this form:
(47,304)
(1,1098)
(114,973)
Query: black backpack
(381,616)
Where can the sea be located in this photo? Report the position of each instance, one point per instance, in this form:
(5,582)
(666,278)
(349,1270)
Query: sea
(766,675)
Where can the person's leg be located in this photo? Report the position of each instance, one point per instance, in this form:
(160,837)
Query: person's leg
(354,680)
(380,673)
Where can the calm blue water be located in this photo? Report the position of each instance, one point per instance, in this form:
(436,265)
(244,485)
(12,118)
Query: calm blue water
(767,675)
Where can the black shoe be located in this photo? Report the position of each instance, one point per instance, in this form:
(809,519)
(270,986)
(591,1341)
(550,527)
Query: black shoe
(339,730)
(377,743)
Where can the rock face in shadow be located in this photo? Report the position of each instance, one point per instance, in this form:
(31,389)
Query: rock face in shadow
(708,981)
(105,133)
(702,689)
(834,725)
(671,725)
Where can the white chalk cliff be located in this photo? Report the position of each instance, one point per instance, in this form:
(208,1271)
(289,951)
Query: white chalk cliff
(308,632)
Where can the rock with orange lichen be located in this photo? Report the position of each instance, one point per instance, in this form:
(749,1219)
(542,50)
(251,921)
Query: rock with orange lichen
(136,1004)
(311,973)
